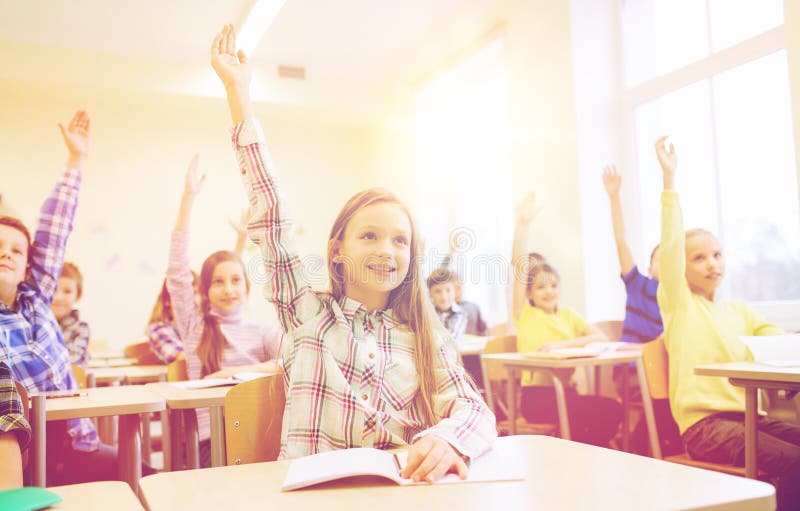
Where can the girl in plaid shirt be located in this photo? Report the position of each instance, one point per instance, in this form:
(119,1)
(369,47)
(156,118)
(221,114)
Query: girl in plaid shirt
(368,364)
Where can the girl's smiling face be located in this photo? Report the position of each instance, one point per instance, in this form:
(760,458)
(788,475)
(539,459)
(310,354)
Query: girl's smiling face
(544,292)
(374,253)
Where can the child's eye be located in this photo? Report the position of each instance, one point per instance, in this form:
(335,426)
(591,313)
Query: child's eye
(402,240)
(368,236)
(17,251)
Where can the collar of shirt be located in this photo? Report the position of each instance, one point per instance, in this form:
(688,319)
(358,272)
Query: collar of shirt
(354,310)
(70,319)
(25,293)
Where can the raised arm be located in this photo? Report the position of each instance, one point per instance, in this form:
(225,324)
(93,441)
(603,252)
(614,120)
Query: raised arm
(526,212)
(58,210)
(269,226)
(179,276)
(612,181)
(673,285)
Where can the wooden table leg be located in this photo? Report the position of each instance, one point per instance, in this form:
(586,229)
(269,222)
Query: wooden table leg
(39,424)
(166,440)
(217,437)
(511,397)
(145,420)
(626,409)
(561,405)
(750,432)
(192,439)
(177,448)
(649,415)
(130,451)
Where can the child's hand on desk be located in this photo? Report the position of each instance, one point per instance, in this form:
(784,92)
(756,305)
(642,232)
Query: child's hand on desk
(555,345)
(430,458)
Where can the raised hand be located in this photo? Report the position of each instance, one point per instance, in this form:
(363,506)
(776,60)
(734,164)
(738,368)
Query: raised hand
(611,180)
(77,137)
(231,66)
(667,157)
(240,226)
(194,180)
(527,210)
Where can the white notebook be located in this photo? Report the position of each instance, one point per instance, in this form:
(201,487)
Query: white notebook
(774,350)
(345,463)
(218,382)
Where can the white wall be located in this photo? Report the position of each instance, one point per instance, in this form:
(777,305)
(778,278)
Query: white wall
(142,143)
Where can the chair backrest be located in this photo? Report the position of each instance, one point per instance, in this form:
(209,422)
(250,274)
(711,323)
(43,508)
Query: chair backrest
(176,370)
(23,398)
(498,330)
(656,368)
(253,418)
(80,376)
(505,344)
(143,354)
(612,329)
(98,347)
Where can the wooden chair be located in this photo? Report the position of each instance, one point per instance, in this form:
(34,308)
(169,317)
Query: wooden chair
(23,398)
(176,370)
(495,379)
(656,368)
(80,376)
(612,329)
(498,330)
(253,418)
(143,354)
(98,347)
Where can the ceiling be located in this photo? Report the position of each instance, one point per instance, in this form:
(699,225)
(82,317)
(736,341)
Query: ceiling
(368,46)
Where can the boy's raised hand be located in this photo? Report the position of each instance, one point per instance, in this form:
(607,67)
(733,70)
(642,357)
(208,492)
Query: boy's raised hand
(611,180)
(231,66)
(77,137)
(194,180)
(527,210)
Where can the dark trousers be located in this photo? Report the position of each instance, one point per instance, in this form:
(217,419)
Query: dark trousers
(592,419)
(719,438)
(66,465)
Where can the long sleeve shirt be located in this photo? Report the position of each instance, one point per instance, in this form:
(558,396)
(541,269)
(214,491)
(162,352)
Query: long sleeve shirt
(698,331)
(164,341)
(248,343)
(29,332)
(76,335)
(351,377)
(12,416)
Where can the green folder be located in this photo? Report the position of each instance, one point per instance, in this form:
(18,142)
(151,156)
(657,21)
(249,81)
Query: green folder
(27,499)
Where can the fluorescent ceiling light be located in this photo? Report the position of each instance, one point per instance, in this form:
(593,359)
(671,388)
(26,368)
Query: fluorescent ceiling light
(258,20)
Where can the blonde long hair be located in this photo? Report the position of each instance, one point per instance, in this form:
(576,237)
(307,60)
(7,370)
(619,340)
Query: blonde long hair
(408,301)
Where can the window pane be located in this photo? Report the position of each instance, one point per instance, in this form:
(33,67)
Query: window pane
(758,180)
(660,36)
(733,21)
(685,116)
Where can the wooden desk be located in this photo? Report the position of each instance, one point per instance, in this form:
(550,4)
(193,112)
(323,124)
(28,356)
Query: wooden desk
(130,374)
(96,363)
(99,496)
(472,344)
(513,362)
(752,376)
(559,475)
(178,399)
(127,402)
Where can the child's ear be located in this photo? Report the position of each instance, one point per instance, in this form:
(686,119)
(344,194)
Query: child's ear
(334,249)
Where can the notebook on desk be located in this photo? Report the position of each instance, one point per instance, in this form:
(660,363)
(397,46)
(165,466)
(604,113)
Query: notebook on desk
(219,382)
(562,354)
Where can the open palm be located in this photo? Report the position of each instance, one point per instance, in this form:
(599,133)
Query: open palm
(611,179)
(231,66)
(77,134)
(194,180)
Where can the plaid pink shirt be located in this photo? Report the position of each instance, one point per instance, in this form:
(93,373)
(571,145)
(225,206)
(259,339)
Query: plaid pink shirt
(351,377)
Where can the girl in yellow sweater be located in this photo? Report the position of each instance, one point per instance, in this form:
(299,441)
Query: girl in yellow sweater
(700,330)
(544,325)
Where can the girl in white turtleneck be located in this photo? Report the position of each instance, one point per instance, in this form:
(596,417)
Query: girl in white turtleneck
(217,342)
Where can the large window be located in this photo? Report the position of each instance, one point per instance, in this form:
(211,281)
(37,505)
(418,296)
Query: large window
(463,166)
(713,75)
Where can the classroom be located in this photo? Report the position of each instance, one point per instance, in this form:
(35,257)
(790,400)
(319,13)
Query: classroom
(539,247)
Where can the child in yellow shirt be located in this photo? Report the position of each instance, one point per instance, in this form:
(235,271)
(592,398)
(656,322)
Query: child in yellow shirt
(699,330)
(543,325)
